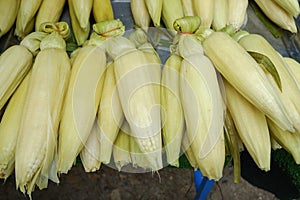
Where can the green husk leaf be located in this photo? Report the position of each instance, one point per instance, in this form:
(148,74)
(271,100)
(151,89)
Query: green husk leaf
(54,40)
(109,28)
(267,64)
(62,28)
(188,24)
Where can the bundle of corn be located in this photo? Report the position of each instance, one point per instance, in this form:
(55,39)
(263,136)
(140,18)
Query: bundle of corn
(36,157)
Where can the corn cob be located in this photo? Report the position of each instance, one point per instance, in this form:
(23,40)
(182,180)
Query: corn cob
(9,128)
(290,6)
(171,10)
(237,13)
(205,10)
(26,16)
(138,86)
(81,103)
(37,140)
(281,18)
(294,67)
(172,113)
(187,7)
(82,11)
(110,114)
(90,154)
(246,76)
(13,70)
(221,12)
(187,150)
(290,92)
(49,11)
(251,126)
(81,34)
(203,107)
(9,11)
(121,148)
(140,13)
(154,8)
(289,141)
(102,10)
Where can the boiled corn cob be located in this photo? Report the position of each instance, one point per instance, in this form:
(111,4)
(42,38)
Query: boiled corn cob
(237,13)
(138,83)
(37,140)
(289,91)
(49,11)
(90,154)
(246,76)
(172,113)
(203,107)
(102,10)
(251,126)
(26,17)
(140,13)
(290,6)
(205,10)
(9,128)
(110,114)
(81,103)
(9,11)
(282,18)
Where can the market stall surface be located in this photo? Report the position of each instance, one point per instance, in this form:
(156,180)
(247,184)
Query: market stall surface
(169,183)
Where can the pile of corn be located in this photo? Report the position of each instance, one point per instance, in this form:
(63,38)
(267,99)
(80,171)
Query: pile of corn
(220,90)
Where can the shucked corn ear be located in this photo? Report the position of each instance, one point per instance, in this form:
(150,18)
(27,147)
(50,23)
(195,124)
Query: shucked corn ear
(289,91)
(9,128)
(81,103)
(203,107)
(140,13)
(102,10)
(289,141)
(251,126)
(237,13)
(246,76)
(205,10)
(37,140)
(26,17)
(154,8)
(15,62)
(9,11)
(49,11)
(282,18)
(172,113)
(138,83)
(171,10)
(90,154)
(291,6)
(110,114)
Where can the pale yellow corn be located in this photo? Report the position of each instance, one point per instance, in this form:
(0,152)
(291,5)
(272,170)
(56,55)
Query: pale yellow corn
(9,128)
(154,8)
(205,10)
(172,113)
(278,15)
(138,83)
(221,11)
(37,140)
(110,114)
(171,10)
(246,76)
(102,10)
(15,62)
(49,11)
(9,11)
(237,13)
(251,126)
(291,6)
(90,154)
(81,104)
(289,141)
(290,91)
(203,107)
(26,17)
